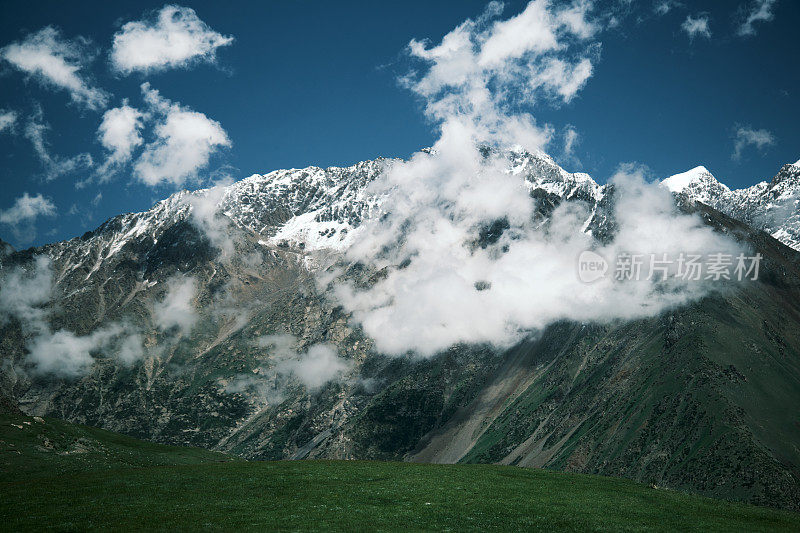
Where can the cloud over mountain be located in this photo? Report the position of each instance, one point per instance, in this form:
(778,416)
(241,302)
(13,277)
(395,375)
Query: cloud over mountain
(25,295)
(440,283)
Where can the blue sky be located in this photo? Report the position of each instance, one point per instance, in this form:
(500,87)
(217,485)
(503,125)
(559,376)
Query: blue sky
(315,83)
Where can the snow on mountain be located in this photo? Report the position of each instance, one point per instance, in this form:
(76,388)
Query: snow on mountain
(322,209)
(318,208)
(679,182)
(542,172)
(773,207)
(697,183)
(309,208)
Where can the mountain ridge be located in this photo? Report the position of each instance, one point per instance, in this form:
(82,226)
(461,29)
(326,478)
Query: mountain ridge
(773,206)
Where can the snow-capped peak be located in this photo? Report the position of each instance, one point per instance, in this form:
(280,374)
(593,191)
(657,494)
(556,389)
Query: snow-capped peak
(797,164)
(698,183)
(679,182)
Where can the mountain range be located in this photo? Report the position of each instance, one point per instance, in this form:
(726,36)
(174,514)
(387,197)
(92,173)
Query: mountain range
(701,397)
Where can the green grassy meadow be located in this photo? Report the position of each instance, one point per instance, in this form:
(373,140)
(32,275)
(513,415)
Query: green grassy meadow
(87,479)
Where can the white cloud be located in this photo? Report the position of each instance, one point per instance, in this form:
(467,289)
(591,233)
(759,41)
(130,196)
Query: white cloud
(21,217)
(8,120)
(571,139)
(747,136)
(564,78)
(319,365)
(440,287)
(176,38)
(662,7)
(760,11)
(185,141)
(177,310)
(696,27)
(130,348)
(432,303)
(519,51)
(120,134)
(27,208)
(314,368)
(53,61)
(25,292)
(54,165)
(64,354)
(206,217)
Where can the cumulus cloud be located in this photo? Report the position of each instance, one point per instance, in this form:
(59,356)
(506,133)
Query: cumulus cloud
(8,120)
(56,62)
(176,310)
(528,279)
(27,208)
(130,346)
(21,217)
(520,51)
(696,26)
(54,165)
(747,136)
(175,38)
(184,143)
(439,284)
(120,134)
(760,11)
(564,78)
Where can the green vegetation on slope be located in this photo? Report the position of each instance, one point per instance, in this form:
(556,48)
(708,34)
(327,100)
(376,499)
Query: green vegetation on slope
(34,447)
(324,495)
(57,475)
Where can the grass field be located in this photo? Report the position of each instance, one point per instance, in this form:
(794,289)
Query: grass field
(34,447)
(132,485)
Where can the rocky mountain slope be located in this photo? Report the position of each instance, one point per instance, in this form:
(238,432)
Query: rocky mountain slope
(693,399)
(773,207)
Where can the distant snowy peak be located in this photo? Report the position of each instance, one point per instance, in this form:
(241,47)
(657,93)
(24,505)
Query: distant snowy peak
(773,207)
(679,182)
(697,183)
